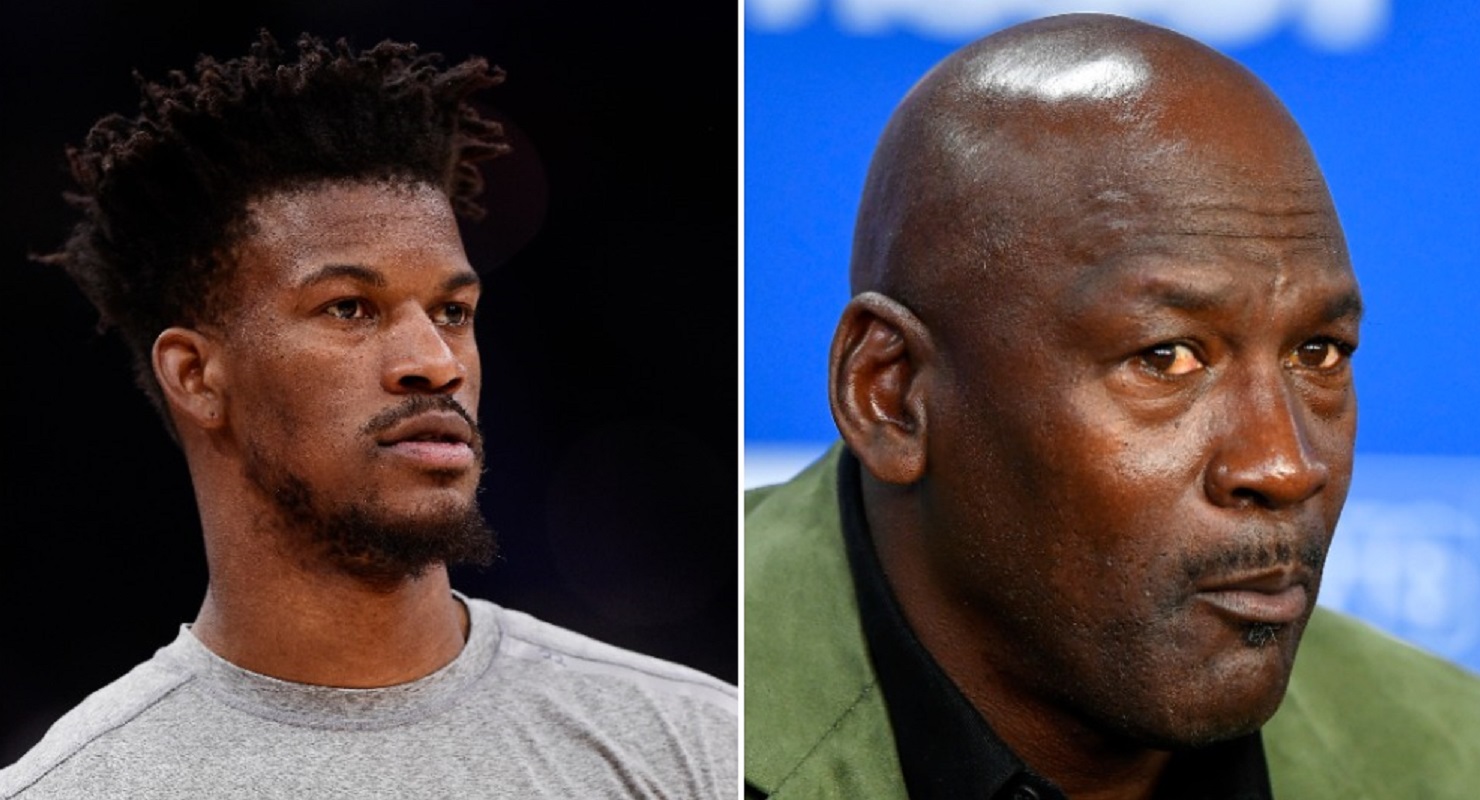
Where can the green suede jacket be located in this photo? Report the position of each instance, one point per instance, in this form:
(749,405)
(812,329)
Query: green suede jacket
(1365,718)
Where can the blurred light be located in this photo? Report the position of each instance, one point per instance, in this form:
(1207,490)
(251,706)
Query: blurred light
(778,462)
(778,16)
(1336,25)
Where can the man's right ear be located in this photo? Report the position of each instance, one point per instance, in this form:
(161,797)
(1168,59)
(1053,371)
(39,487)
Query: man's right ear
(188,369)
(876,386)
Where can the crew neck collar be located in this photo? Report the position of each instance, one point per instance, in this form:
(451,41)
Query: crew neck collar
(316,706)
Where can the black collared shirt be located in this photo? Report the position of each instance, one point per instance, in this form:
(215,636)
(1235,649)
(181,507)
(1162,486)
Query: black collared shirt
(946,748)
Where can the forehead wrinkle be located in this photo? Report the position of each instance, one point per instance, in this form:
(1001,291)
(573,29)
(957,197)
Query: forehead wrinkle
(1233,219)
(1216,237)
(1135,287)
(1129,287)
(1223,204)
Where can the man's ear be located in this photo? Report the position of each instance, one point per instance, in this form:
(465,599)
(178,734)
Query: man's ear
(189,371)
(876,389)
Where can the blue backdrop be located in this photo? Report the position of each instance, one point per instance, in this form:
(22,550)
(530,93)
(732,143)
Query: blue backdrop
(1387,93)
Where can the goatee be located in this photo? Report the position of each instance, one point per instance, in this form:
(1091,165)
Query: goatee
(361,537)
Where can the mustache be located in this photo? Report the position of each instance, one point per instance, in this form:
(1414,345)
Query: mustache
(1254,557)
(420,404)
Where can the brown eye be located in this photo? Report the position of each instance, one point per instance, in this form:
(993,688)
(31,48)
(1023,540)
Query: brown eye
(454,315)
(1171,359)
(1319,354)
(349,308)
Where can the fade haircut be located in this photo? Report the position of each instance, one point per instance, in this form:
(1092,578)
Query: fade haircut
(164,195)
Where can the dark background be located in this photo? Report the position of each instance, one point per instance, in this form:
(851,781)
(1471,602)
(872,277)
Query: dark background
(609,338)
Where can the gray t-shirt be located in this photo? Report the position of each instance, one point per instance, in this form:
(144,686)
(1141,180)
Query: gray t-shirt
(526,710)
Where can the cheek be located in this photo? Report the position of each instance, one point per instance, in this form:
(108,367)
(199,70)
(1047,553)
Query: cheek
(1106,499)
(473,383)
(1060,480)
(298,395)
(1336,436)
(1085,466)
(1337,448)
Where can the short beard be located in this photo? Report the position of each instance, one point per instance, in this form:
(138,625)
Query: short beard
(360,539)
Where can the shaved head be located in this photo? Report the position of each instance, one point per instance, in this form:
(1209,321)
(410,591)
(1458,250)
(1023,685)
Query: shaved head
(1013,142)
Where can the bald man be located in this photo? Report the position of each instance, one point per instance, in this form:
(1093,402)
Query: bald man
(1097,419)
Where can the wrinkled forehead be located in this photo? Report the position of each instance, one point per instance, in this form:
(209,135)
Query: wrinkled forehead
(1028,156)
(1075,192)
(1200,211)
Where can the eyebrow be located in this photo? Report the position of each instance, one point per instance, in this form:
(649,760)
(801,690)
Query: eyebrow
(469,278)
(1347,305)
(1153,291)
(354,271)
(1199,297)
(1189,298)
(365,274)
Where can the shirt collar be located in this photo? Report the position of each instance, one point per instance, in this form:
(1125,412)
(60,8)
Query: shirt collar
(962,757)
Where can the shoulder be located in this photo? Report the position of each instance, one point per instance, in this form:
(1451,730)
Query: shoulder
(1369,716)
(807,500)
(815,722)
(569,693)
(558,654)
(106,714)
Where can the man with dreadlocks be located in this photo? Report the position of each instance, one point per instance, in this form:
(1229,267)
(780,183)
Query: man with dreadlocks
(275,239)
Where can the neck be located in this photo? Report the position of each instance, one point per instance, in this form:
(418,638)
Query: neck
(1081,762)
(1057,744)
(279,611)
(307,629)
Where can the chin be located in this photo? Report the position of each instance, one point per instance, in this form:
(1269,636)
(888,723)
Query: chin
(1231,699)
(1200,726)
(423,506)
(382,546)
(382,534)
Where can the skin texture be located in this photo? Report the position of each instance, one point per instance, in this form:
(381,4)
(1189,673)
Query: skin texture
(351,336)
(1097,371)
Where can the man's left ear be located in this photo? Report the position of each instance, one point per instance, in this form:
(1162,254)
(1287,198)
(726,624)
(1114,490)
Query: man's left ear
(190,373)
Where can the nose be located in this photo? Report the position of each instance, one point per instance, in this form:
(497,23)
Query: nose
(1265,457)
(419,359)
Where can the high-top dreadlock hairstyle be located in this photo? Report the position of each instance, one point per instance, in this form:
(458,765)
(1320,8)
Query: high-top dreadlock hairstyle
(163,195)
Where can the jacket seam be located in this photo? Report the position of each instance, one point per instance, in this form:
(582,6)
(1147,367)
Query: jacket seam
(863,694)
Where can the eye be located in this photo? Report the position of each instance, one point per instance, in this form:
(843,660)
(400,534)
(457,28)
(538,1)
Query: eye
(453,315)
(348,309)
(1171,359)
(1320,354)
